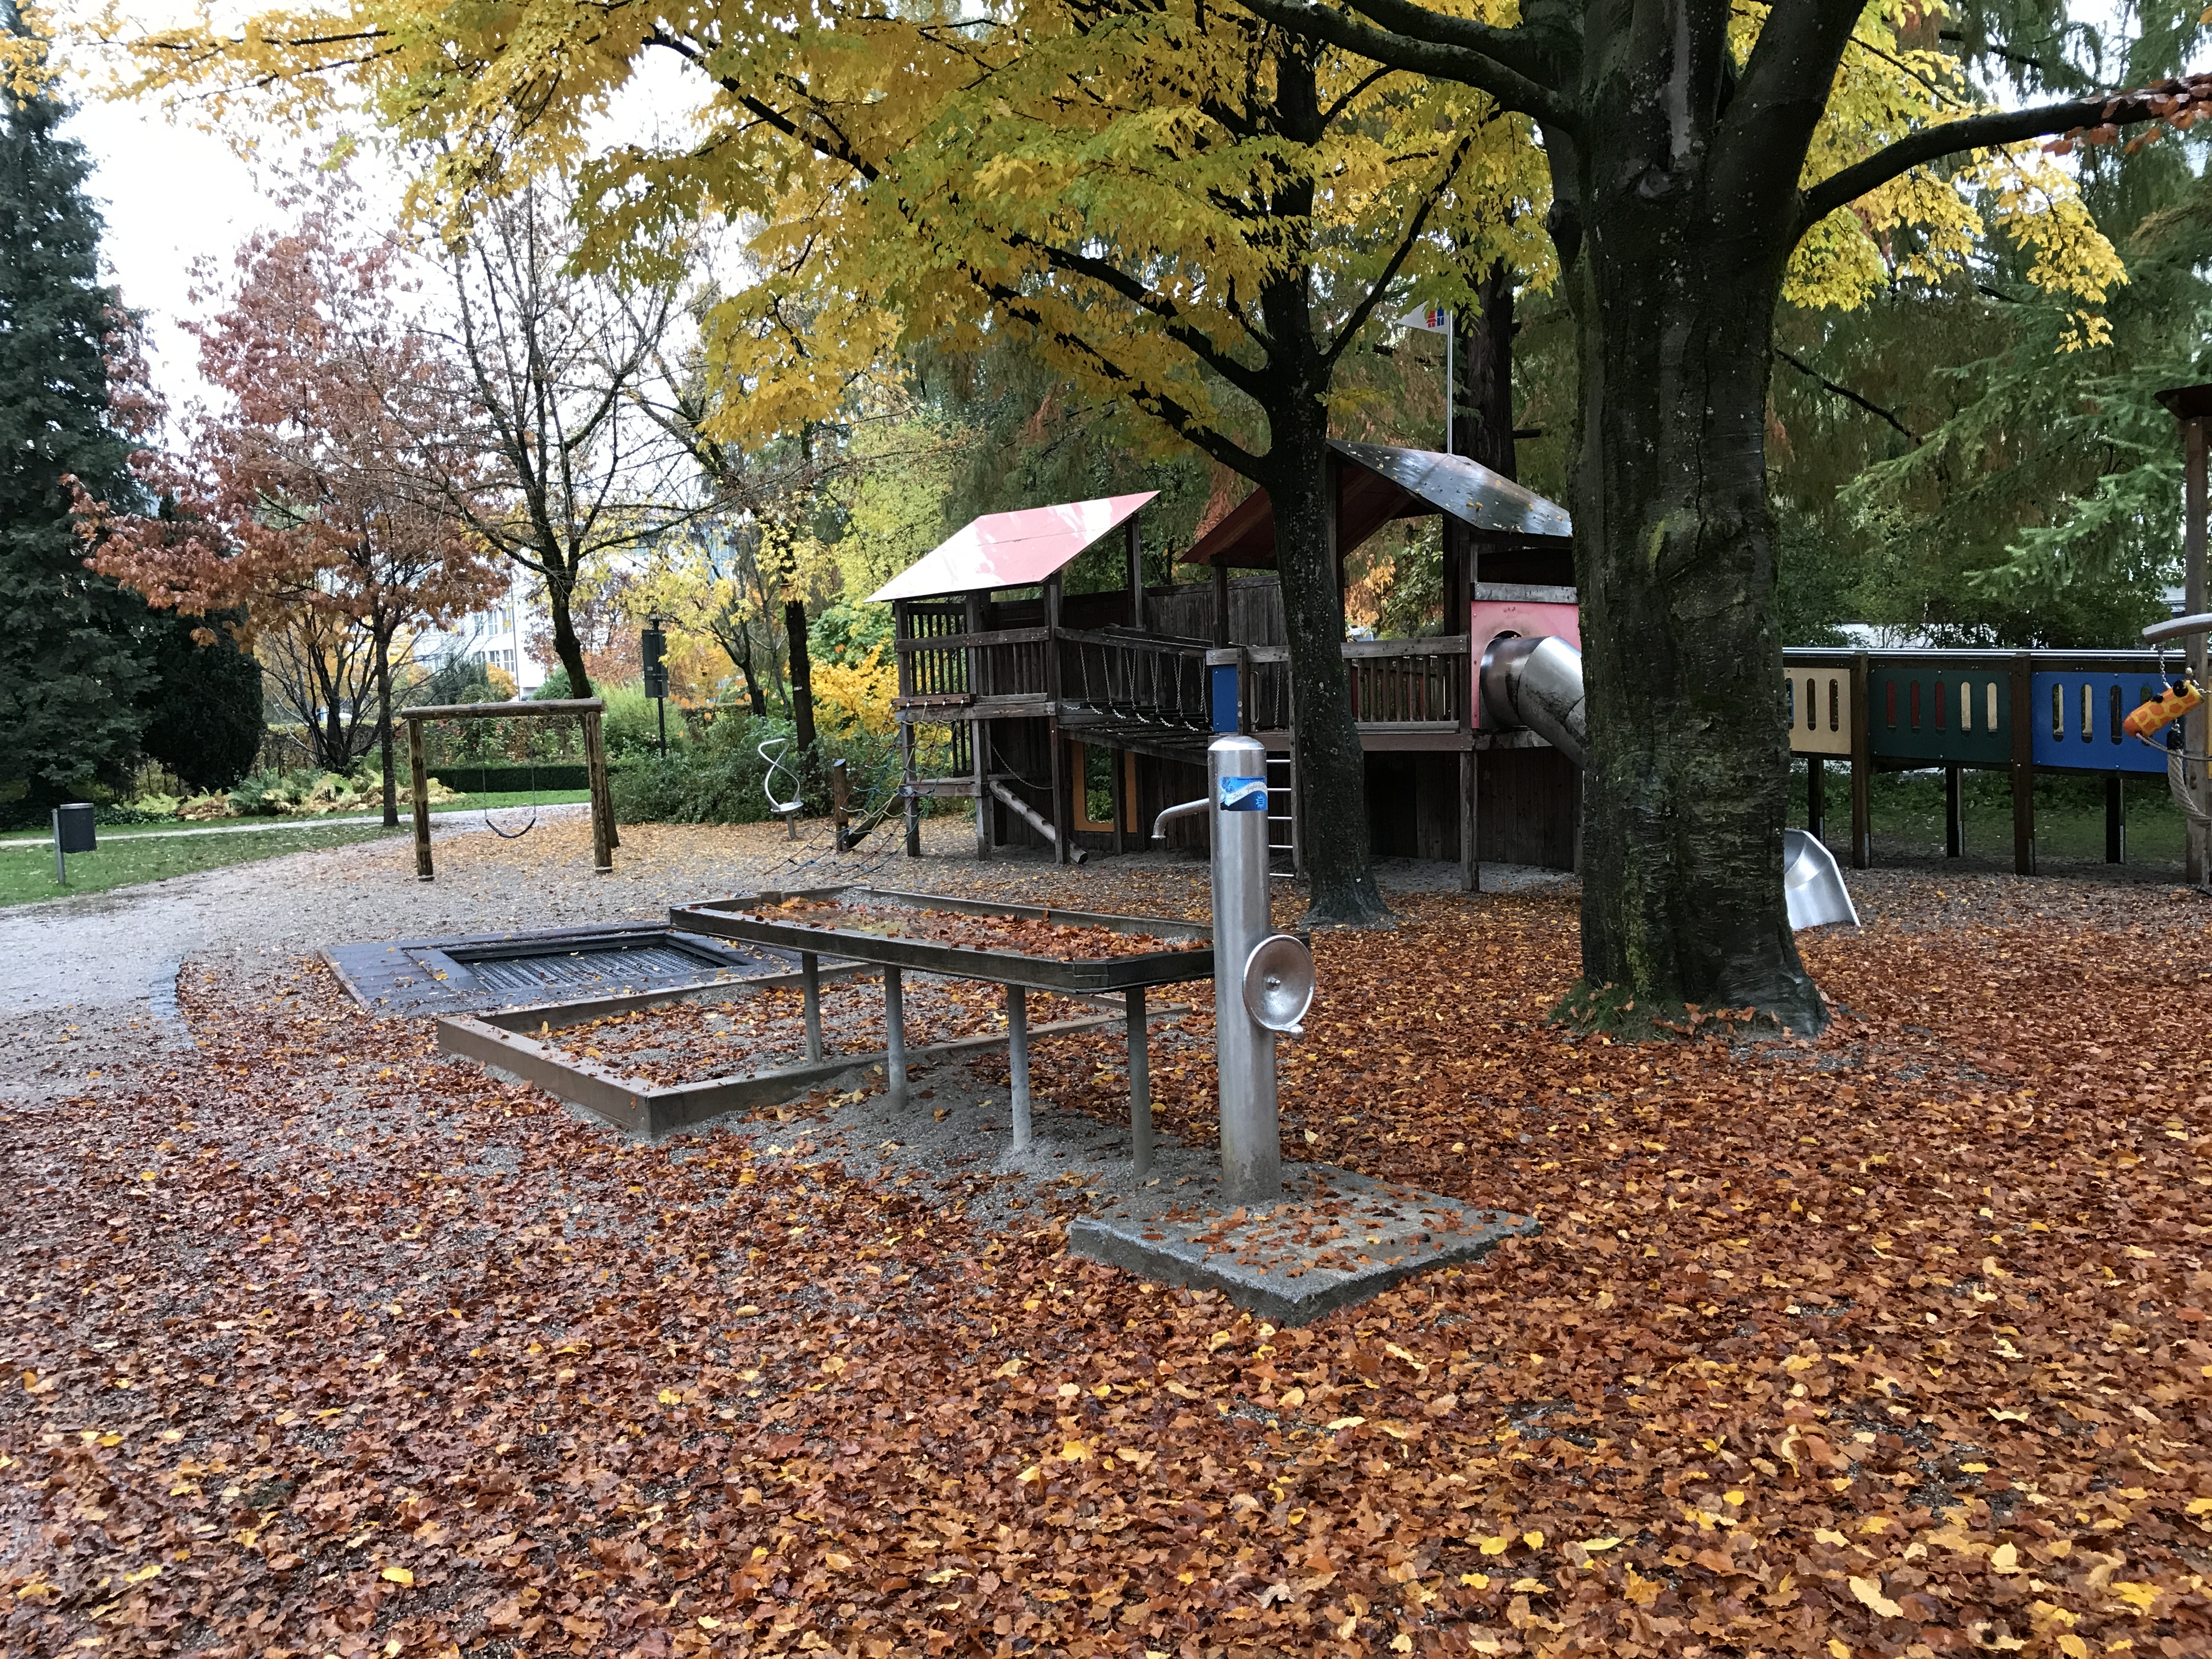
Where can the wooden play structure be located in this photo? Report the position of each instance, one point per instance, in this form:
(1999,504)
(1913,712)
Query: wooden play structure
(1038,691)
(588,710)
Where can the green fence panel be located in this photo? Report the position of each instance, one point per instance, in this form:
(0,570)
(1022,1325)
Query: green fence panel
(1955,714)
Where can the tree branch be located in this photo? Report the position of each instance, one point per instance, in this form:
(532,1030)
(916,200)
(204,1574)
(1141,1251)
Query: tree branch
(2160,102)
(1478,68)
(1847,395)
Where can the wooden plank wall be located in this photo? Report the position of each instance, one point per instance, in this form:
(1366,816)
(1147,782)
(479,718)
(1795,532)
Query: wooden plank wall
(1255,611)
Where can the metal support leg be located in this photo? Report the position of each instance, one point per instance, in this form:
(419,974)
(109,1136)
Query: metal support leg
(1954,819)
(809,979)
(1018,1061)
(894,1037)
(1140,1086)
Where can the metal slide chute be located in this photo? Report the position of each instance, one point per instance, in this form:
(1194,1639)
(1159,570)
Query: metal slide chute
(1537,684)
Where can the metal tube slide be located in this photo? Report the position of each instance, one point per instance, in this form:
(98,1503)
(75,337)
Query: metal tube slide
(1537,684)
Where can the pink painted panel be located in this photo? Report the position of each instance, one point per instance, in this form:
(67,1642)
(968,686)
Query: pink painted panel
(1531,619)
(1010,549)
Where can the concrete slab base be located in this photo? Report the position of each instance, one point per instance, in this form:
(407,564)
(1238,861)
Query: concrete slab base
(1336,1238)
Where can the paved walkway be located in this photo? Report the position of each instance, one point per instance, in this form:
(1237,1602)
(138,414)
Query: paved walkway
(508,818)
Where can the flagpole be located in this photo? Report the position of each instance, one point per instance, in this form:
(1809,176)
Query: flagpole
(1448,384)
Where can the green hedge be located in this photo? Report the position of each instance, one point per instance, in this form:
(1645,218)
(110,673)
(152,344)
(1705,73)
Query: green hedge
(512,780)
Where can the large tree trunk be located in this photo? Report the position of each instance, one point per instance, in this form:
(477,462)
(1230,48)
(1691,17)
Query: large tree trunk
(1332,770)
(1687,788)
(559,590)
(1482,423)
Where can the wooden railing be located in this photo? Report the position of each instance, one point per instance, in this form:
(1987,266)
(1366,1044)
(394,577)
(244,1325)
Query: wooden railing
(1162,679)
(1144,677)
(1409,682)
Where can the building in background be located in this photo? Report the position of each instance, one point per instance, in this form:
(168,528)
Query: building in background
(494,637)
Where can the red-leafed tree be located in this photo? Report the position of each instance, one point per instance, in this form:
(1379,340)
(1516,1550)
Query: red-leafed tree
(325,484)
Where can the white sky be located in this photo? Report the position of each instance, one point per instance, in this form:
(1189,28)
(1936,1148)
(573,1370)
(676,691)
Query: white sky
(174,195)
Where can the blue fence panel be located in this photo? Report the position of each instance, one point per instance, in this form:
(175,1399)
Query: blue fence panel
(2076,719)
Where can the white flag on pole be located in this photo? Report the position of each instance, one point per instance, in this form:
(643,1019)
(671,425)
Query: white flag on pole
(1435,319)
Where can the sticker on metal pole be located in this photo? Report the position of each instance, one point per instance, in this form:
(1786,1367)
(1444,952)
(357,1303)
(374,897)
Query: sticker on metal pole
(1243,794)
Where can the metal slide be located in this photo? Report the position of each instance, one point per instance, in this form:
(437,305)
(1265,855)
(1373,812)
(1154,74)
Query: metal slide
(1537,684)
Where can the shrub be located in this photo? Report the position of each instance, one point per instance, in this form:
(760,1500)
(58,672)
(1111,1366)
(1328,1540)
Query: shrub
(692,785)
(204,713)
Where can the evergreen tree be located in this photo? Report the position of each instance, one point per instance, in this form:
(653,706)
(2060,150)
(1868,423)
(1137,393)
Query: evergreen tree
(71,660)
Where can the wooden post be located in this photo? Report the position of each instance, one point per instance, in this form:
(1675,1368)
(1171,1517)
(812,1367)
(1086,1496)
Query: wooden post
(2116,820)
(1059,772)
(603,806)
(1954,824)
(1220,604)
(1470,854)
(1136,539)
(978,730)
(1118,794)
(419,776)
(1862,763)
(2196,726)
(1816,796)
(1140,1086)
(913,801)
(2023,765)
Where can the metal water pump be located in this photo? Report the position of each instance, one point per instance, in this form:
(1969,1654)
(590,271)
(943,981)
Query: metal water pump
(1263,981)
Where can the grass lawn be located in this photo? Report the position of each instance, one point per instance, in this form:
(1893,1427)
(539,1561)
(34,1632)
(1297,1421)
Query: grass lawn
(1907,810)
(28,873)
(497,802)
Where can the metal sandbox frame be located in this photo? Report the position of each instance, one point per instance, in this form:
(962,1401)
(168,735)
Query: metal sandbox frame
(500,1039)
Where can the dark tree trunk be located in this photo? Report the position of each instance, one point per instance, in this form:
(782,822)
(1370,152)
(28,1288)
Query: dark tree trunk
(738,646)
(1686,793)
(560,589)
(1331,769)
(802,673)
(383,638)
(1482,423)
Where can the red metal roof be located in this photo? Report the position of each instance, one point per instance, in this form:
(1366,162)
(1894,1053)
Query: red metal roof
(1010,549)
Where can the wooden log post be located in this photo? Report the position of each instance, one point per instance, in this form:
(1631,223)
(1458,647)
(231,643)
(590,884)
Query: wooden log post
(2023,765)
(1059,773)
(1136,547)
(419,776)
(1220,604)
(603,806)
(1470,846)
(978,730)
(2196,599)
(1816,796)
(1862,763)
(1955,820)
(2116,819)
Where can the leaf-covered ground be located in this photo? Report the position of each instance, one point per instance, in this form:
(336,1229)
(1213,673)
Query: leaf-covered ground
(1894,1343)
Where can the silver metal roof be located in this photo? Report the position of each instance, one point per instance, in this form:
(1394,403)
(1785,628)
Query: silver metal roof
(1466,488)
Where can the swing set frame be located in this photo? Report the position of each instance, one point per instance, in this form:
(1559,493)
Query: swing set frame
(589,709)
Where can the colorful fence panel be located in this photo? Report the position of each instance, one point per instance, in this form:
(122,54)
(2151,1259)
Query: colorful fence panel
(1951,713)
(2076,721)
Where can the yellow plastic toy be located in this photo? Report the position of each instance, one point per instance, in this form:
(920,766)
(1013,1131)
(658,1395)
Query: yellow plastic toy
(2162,711)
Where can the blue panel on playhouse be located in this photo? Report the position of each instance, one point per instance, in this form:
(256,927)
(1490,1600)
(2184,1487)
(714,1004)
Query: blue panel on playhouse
(1223,676)
(2075,718)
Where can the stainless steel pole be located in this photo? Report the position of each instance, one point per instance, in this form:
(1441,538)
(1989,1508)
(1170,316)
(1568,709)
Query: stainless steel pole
(809,979)
(894,1037)
(1244,1050)
(1141,1085)
(1017,1062)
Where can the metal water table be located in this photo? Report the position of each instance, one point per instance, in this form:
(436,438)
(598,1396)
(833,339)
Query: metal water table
(1019,972)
